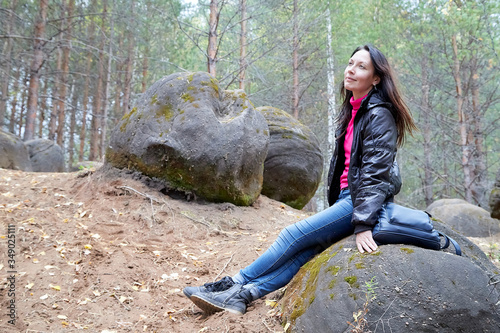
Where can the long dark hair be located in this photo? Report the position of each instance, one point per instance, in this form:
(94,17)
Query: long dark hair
(387,90)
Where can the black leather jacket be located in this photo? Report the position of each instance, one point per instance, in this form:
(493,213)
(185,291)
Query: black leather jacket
(373,172)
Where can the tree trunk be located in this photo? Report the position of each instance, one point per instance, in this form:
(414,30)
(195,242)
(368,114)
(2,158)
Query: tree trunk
(61,112)
(106,82)
(36,65)
(24,101)
(129,66)
(145,70)
(96,124)
(212,37)
(462,122)
(330,62)
(478,187)
(427,134)
(118,110)
(243,43)
(55,93)
(85,99)
(295,60)
(13,105)
(72,126)
(7,54)
(42,109)
(57,79)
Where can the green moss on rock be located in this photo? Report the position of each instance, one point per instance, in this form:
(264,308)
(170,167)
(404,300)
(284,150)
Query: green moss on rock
(187,97)
(334,270)
(407,250)
(300,301)
(177,173)
(126,119)
(360,265)
(352,280)
(154,99)
(165,111)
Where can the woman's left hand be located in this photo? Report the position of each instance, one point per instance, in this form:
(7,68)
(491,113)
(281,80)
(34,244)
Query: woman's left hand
(365,242)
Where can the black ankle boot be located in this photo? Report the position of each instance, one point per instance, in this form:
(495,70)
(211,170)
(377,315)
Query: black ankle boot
(234,300)
(221,285)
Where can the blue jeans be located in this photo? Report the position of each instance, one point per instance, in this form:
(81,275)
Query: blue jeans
(295,245)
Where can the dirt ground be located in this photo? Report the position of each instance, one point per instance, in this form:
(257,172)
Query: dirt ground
(110,253)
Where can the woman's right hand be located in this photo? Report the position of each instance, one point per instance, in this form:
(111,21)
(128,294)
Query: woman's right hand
(365,242)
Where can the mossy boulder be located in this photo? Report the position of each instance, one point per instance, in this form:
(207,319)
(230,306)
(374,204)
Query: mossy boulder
(401,287)
(195,137)
(494,201)
(294,163)
(45,155)
(13,153)
(466,218)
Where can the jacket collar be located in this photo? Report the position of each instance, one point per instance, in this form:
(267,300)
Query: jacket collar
(373,99)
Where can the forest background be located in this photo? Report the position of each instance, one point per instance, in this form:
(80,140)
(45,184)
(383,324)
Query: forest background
(70,69)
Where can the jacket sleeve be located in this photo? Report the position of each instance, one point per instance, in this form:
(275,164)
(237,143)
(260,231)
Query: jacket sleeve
(379,143)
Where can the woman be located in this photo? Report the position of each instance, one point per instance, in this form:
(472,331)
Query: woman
(372,122)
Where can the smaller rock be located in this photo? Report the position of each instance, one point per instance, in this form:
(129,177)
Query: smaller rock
(45,155)
(13,153)
(466,218)
(495,198)
(294,163)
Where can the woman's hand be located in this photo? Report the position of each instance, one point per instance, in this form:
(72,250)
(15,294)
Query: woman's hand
(365,242)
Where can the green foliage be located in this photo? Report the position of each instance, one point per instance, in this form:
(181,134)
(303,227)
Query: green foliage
(167,36)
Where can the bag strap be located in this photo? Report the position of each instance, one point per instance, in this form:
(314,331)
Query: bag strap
(448,239)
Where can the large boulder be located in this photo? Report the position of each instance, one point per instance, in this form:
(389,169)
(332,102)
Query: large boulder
(195,137)
(13,153)
(468,219)
(494,202)
(294,163)
(45,155)
(399,288)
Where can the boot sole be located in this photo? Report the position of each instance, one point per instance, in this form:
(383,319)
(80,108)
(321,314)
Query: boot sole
(210,307)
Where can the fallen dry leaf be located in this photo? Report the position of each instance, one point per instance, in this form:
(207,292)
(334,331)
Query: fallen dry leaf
(55,287)
(47,267)
(271,303)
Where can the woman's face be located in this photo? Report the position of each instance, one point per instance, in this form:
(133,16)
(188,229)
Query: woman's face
(359,75)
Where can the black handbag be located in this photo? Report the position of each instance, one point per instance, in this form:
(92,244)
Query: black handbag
(402,225)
